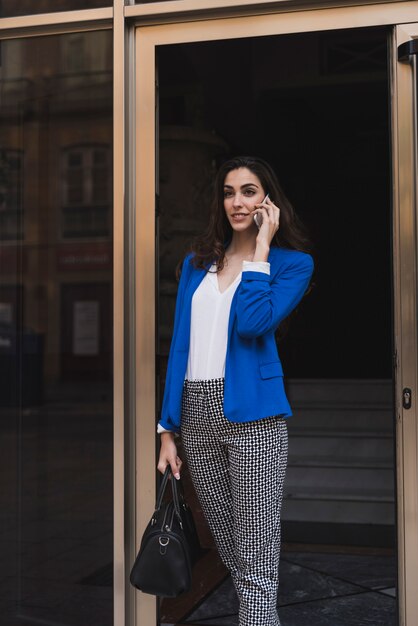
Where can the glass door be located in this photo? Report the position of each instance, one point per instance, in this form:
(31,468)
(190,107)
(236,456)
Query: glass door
(312,97)
(56,365)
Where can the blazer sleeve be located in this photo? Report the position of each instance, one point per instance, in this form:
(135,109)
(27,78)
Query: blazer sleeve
(264,301)
(179,299)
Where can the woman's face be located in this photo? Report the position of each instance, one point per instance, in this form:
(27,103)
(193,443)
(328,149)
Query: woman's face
(242,191)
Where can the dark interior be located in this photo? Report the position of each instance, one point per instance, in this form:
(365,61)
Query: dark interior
(315,105)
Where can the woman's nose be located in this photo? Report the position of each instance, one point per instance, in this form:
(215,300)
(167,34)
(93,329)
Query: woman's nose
(237,200)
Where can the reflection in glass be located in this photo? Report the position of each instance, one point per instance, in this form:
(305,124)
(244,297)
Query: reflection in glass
(10,194)
(13,8)
(86,192)
(56,424)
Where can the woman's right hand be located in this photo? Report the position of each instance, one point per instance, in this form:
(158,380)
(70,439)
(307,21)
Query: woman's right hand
(168,455)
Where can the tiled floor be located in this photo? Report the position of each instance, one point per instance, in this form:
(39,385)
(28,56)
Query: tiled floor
(319,589)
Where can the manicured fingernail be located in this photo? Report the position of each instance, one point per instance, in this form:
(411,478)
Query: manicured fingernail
(177,476)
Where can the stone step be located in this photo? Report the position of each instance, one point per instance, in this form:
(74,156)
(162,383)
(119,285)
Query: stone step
(347,447)
(337,419)
(340,392)
(347,511)
(323,433)
(344,494)
(341,451)
(330,462)
(357,480)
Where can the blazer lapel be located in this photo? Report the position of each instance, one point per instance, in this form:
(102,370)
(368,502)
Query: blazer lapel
(184,332)
(232,312)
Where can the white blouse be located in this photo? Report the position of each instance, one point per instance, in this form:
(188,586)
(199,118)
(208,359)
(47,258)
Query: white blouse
(209,328)
(209,324)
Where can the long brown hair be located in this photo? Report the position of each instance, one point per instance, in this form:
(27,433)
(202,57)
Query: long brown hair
(209,247)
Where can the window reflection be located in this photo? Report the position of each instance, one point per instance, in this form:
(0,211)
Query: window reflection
(12,8)
(56,422)
(86,192)
(11,222)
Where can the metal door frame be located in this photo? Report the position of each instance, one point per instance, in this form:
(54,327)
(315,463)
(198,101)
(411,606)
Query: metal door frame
(58,23)
(193,26)
(404,168)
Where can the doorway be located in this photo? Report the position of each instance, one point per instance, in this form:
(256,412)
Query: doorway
(316,106)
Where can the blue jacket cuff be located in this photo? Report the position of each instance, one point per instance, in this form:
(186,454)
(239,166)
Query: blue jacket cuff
(165,426)
(256,276)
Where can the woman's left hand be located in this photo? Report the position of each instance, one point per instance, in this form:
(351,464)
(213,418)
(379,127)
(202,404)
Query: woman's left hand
(271,218)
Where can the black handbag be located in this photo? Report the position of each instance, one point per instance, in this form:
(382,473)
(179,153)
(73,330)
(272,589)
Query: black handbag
(169,546)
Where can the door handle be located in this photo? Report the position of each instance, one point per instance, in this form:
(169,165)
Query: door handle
(407,398)
(407,49)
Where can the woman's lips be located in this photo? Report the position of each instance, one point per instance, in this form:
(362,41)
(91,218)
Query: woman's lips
(239,217)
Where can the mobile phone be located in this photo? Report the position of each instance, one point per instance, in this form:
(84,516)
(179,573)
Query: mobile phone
(258,219)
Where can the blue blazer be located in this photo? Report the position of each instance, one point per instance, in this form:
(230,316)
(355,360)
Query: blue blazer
(253,372)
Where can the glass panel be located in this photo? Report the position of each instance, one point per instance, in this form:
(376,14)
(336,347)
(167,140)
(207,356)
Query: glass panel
(56,425)
(13,8)
(315,106)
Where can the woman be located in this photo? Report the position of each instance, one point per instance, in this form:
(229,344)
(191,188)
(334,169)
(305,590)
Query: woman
(224,386)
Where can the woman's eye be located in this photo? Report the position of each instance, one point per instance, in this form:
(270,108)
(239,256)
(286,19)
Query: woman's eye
(249,192)
(227,194)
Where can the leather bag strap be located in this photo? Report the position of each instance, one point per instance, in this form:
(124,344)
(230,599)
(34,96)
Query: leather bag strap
(175,487)
(162,488)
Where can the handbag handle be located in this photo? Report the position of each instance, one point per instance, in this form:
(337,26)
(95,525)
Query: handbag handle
(174,491)
(162,488)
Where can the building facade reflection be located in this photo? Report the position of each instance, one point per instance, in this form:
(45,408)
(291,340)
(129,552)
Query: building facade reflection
(56,325)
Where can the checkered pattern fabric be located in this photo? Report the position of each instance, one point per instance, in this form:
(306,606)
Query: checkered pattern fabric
(238,472)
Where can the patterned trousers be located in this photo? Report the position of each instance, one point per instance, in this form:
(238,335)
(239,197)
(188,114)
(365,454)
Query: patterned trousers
(238,472)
